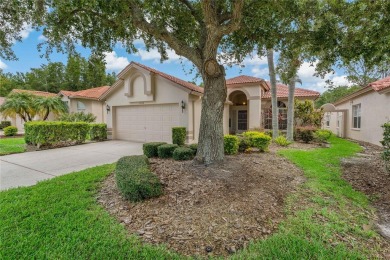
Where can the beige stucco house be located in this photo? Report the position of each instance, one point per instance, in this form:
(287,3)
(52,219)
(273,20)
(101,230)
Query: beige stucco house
(144,104)
(359,116)
(86,101)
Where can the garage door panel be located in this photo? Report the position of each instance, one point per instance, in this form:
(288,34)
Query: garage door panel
(146,123)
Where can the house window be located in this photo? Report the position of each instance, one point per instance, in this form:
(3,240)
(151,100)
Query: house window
(356,116)
(282,117)
(80,105)
(327,119)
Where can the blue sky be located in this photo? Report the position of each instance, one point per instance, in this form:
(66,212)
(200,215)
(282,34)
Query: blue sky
(29,57)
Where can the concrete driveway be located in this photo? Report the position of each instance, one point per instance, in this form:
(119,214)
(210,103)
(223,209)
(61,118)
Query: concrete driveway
(26,169)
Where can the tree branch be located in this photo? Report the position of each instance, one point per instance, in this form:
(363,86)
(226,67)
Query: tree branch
(190,7)
(235,21)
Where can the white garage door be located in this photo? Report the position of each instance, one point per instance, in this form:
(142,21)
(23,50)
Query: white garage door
(146,123)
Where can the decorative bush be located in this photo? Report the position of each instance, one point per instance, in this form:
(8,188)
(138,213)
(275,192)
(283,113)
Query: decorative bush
(134,179)
(179,135)
(98,132)
(77,117)
(4,124)
(183,153)
(261,141)
(244,144)
(305,133)
(52,133)
(193,147)
(282,141)
(386,145)
(150,149)
(10,130)
(322,135)
(230,144)
(166,150)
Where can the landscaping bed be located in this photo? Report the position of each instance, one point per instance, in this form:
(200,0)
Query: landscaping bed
(214,210)
(366,172)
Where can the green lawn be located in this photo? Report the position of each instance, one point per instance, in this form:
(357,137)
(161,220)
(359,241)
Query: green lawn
(60,218)
(12,145)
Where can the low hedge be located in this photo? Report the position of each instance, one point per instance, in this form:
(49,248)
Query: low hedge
(150,149)
(98,132)
(230,143)
(193,147)
(260,140)
(10,130)
(134,179)
(282,141)
(166,150)
(322,135)
(179,135)
(183,153)
(50,133)
(4,124)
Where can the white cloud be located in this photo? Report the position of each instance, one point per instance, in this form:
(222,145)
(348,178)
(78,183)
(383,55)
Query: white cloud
(155,56)
(255,60)
(42,38)
(113,62)
(260,72)
(25,32)
(3,65)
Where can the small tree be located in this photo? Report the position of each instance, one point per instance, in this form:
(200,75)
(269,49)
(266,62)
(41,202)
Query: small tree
(45,105)
(307,115)
(21,104)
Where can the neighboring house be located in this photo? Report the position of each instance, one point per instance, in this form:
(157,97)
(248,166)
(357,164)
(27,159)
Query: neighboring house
(144,104)
(359,116)
(87,101)
(17,120)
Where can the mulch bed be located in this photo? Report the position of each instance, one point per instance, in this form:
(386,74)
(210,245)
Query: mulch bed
(367,173)
(213,210)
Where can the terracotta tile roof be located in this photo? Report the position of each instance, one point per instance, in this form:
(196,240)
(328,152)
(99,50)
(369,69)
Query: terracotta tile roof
(35,92)
(380,84)
(91,93)
(282,92)
(243,79)
(181,82)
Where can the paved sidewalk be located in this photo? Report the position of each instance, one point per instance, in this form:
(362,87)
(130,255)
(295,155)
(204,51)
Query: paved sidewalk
(26,169)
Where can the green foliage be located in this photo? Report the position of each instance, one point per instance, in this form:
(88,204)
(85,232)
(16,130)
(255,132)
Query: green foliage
(4,124)
(21,104)
(150,149)
(193,147)
(244,144)
(386,145)
(98,132)
(305,133)
(333,94)
(306,115)
(166,150)
(46,105)
(179,135)
(134,179)
(12,145)
(260,140)
(10,130)
(322,135)
(183,153)
(77,117)
(282,141)
(230,144)
(51,133)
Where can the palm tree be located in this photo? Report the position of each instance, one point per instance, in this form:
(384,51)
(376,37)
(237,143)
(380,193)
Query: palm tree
(290,107)
(274,101)
(45,105)
(21,104)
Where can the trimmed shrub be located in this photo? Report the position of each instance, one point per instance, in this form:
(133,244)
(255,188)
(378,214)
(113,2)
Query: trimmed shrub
(98,132)
(322,135)
(77,117)
(193,147)
(261,141)
(243,144)
(386,145)
(134,179)
(10,130)
(183,153)
(150,149)
(282,141)
(179,135)
(4,124)
(305,133)
(166,150)
(230,144)
(52,133)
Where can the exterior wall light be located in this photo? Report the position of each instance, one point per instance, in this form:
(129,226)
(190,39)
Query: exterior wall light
(108,108)
(183,106)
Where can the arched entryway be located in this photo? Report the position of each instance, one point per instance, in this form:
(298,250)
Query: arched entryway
(238,112)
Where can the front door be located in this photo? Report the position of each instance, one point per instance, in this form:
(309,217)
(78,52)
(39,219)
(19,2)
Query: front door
(242,120)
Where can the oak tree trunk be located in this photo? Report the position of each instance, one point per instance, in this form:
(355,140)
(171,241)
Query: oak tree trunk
(290,110)
(274,100)
(210,145)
